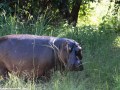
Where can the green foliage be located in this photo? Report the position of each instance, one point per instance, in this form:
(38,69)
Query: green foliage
(4,7)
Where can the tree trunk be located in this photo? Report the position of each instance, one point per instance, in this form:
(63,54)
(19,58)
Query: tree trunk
(75,11)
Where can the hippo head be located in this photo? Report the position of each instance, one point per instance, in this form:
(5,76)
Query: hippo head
(71,55)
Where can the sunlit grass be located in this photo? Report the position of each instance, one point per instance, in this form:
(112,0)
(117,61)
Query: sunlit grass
(117,42)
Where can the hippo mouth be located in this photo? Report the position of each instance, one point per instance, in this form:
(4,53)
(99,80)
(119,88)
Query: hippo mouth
(75,68)
(78,68)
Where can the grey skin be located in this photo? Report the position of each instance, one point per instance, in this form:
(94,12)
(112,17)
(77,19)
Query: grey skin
(30,56)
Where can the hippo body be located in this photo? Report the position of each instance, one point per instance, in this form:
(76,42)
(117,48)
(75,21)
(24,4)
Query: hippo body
(31,55)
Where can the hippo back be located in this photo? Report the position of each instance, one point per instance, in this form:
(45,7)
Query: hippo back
(26,53)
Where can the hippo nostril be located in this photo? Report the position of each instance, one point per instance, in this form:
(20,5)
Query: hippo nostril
(79,64)
(78,61)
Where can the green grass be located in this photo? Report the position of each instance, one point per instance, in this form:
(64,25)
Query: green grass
(101,56)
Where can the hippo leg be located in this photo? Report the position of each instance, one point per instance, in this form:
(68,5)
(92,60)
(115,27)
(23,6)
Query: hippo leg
(4,73)
(44,78)
(47,75)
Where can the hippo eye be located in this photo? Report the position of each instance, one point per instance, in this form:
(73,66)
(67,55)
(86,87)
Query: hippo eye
(78,52)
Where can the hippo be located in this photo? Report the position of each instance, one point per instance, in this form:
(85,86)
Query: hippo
(31,56)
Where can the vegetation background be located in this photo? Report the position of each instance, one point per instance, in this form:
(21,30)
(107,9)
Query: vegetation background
(97,29)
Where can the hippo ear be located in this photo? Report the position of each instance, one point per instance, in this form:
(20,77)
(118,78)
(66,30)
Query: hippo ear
(63,52)
(65,45)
